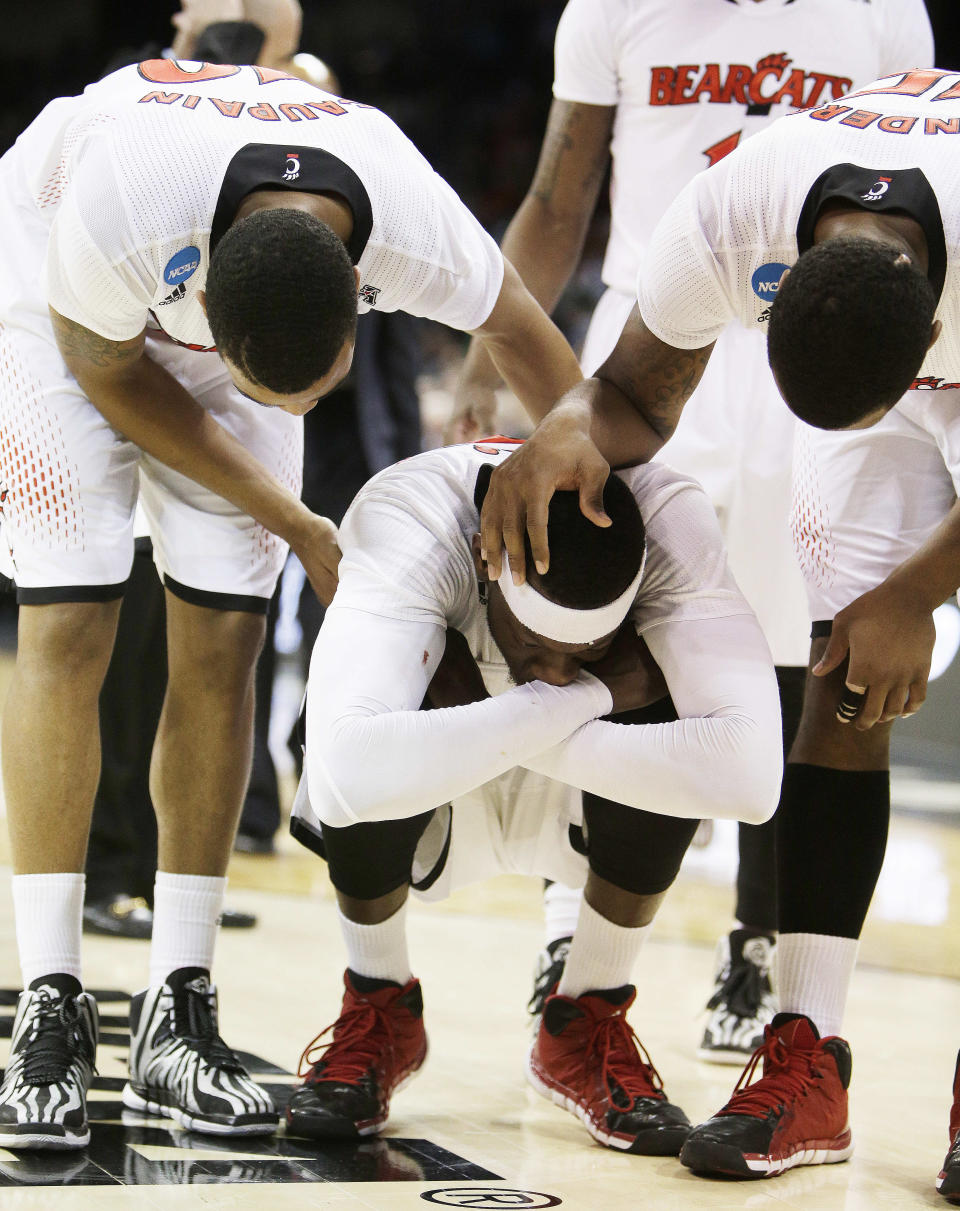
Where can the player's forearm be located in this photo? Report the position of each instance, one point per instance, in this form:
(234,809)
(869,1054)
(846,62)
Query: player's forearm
(391,766)
(148,406)
(726,767)
(932,573)
(373,755)
(721,759)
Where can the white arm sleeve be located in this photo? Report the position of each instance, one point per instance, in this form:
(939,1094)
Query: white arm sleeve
(371,754)
(721,760)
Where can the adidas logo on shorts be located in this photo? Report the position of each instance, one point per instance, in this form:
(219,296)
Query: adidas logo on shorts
(174,296)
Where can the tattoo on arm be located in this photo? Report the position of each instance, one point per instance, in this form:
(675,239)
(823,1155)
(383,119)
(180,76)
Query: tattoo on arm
(572,144)
(80,345)
(659,386)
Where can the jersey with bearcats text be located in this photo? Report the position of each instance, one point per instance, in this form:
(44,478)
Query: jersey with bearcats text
(126,188)
(742,64)
(723,245)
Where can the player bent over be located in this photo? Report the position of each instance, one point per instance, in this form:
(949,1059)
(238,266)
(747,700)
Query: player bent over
(541,757)
(208,235)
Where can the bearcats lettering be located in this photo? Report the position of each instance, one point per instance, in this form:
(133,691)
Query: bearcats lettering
(771,82)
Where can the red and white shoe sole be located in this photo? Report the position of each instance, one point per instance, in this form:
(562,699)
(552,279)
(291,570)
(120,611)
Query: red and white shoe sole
(715,1157)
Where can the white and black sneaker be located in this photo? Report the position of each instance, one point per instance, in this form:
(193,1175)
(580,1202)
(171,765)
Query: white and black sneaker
(43,1098)
(546,975)
(743,1001)
(182,1069)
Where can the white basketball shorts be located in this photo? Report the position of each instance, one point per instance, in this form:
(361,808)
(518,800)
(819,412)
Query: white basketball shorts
(69,486)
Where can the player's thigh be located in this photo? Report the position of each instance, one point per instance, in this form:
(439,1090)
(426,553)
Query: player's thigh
(68,480)
(864,501)
(206,549)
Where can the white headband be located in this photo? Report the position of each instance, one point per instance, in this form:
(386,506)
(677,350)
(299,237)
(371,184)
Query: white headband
(563,623)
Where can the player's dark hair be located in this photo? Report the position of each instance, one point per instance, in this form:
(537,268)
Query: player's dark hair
(281,298)
(589,565)
(848,330)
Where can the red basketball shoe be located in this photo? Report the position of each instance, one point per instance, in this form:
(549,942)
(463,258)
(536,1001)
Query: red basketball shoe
(378,1044)
(586,1059)
(796,1114)
(948,1180)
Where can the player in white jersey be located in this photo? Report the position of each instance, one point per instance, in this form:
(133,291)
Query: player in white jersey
(661,89)
(171,208)
(858,196)
(514,740)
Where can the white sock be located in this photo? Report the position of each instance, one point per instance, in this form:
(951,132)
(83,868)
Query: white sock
(186,913)
(49,916)
(378,951)
(561,907)
(602,954)
(813,976)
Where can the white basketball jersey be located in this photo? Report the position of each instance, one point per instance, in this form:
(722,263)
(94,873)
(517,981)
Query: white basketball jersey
(723,245)
(742,64)
(127,188)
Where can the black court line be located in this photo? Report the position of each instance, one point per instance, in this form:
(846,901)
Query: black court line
(117,1135)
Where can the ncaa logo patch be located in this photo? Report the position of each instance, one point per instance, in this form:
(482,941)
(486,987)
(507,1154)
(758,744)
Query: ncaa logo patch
(182,264)
(766,280)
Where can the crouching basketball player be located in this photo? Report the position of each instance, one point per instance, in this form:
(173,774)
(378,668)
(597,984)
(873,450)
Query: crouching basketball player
(548,752)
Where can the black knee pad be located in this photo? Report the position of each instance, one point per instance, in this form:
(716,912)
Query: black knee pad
(367,861)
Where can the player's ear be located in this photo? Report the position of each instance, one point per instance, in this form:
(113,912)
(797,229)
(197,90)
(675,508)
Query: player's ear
(356,275)
(478,563)
(935,332)
(202,300)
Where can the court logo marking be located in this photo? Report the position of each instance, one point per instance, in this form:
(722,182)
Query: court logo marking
(490,1199)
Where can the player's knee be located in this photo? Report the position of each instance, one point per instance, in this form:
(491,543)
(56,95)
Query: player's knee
(219,649)
(66,641)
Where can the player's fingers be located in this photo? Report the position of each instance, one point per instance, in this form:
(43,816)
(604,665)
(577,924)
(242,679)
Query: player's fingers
(491,542)
(916,699)
(851,702)
(591,494)
(896,700)
(513,541)
(872,709)
(537,533)
(834,653)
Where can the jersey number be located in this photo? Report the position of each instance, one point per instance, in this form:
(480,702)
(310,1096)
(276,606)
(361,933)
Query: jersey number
(171,71)
(915,84)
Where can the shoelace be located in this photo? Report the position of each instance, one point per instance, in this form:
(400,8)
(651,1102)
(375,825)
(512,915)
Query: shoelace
(787,1073)
(356,1045)
(196,1024)
(627,1066)
(741,991)
(56,1040)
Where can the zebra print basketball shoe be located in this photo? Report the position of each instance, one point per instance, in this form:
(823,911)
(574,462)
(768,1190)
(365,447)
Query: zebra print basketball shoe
(181,1068)
(43,1099)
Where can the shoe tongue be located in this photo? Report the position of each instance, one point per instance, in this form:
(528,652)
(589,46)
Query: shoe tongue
(367,984)
(59,985)
(795,1029)
(750,945)
(177,980)
(614,996)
